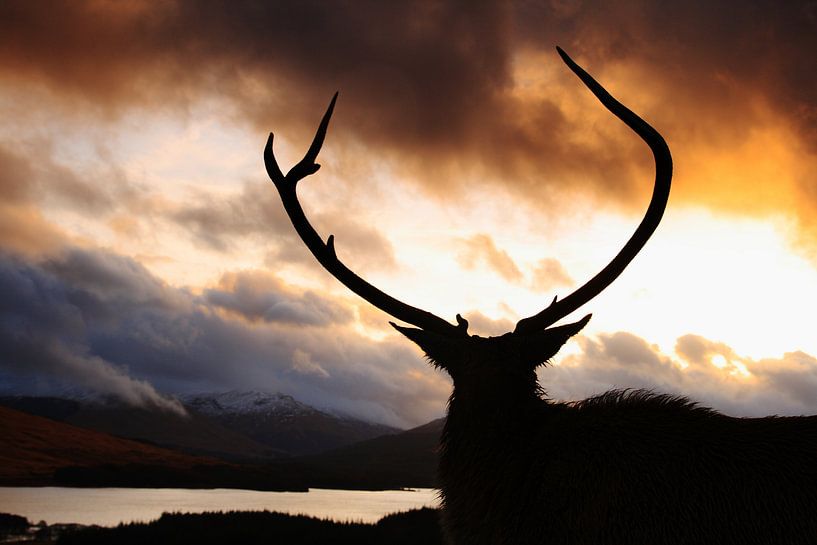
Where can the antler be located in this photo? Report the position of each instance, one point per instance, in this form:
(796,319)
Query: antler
(660,195)
(325,253)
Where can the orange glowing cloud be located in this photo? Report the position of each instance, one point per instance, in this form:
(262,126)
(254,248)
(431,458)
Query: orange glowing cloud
(450,110)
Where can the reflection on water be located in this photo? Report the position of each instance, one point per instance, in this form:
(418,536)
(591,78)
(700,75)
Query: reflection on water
(110,506)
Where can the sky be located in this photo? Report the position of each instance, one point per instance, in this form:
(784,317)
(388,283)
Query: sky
(144,253)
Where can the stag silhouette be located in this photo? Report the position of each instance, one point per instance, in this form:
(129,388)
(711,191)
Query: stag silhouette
(623,467)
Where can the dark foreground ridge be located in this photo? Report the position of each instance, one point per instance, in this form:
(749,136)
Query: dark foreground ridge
(37,451)
(414,527)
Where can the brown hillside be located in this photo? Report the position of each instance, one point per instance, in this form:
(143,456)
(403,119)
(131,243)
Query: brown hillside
(32,448)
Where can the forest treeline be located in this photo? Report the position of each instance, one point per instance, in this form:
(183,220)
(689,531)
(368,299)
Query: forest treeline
(250,528)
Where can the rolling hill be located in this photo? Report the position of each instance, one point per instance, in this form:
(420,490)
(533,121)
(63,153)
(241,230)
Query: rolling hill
(234,426)
(33,448)
(403,460)
(39,451)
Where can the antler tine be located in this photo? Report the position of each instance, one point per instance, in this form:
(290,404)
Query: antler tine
(325,253)
(305,166)
(655,210)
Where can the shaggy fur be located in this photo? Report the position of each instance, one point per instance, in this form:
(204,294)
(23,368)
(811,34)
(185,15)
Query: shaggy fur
(625,467)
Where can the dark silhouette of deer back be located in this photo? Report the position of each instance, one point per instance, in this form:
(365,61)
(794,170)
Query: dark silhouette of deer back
(626,467)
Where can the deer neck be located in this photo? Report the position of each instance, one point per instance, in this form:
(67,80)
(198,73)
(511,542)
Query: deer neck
(484,443)
(486,414)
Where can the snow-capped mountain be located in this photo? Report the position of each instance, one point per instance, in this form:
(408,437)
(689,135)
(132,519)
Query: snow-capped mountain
(250,402)
(231,425)
(281,422)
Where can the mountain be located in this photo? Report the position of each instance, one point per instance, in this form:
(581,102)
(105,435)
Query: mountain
(276,405)
(40,451)
(192,434)
(234,426)
(32,448)
(402,460)
(281,422)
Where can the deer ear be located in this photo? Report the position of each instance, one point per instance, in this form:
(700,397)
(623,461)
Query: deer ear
(438,348)
(537,348)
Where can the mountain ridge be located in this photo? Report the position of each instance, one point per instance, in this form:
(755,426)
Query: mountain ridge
(37,451)
(236,426)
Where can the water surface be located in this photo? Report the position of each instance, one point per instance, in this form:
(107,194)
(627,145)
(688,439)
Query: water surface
(110,506)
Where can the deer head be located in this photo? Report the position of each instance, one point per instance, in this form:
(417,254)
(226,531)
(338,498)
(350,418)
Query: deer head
(507,362)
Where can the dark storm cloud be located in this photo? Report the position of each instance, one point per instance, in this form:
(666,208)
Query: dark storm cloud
(100,282)
(709,52)
(101,321)
(426,57)
(426,84)
(435,86)
(261,296)
(43,331)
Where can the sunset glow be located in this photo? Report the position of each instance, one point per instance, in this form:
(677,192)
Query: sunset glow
(466,170)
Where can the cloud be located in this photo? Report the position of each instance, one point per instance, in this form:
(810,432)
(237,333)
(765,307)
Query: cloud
(31,175)
(43,333)
(455,97)
(15,174)
(23,228)
(417,85)
(619,360)
(302,362)
(481,249)
(216,221)
(100,281)
(114,327)
(743,134)
(33,183)
(458,94)
(99,320)
(793,377)
(259,295)
(795,374)
(402,65)
(549,274)
(219,222)
(706,371)
(479,324)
